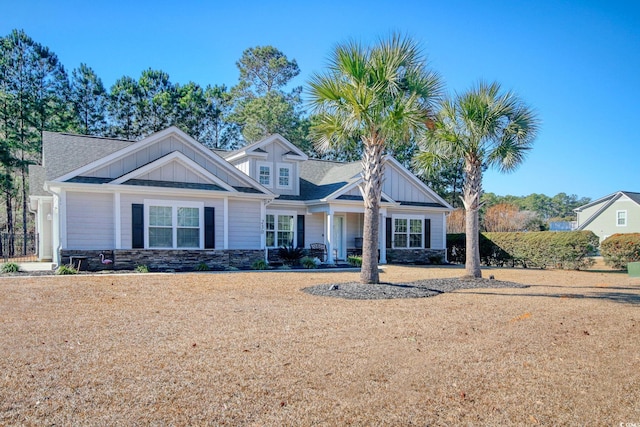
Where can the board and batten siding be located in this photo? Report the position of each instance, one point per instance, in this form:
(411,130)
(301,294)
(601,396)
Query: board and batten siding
(399,188)
(244,224)
(90,221)
(156,151)
(126,200)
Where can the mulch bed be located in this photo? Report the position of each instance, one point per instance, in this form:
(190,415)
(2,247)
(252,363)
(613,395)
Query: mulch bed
(418,289)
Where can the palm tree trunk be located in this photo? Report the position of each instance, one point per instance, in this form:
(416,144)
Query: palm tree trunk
(372,176)
(472,192)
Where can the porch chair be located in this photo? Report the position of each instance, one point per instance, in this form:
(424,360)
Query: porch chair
(318,250)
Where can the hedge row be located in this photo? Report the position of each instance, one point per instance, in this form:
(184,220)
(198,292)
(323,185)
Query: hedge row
(563,249)
(620,249)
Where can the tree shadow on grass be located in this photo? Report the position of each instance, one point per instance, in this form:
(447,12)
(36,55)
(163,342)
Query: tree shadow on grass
(618,297)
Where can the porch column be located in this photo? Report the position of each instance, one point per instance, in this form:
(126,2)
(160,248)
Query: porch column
(444,235)
(382,235)
(117,221)
(329,234)
(225,223)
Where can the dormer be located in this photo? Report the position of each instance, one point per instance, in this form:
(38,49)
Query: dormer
(273,161)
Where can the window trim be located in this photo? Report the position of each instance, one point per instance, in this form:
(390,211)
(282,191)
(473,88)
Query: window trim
(174,205)
(618,218)
(289,167)
(292,214)
(408,232)
(269,166)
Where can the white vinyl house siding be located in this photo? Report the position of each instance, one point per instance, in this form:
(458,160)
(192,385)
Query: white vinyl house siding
(354,228)
(244,224)
(90,223)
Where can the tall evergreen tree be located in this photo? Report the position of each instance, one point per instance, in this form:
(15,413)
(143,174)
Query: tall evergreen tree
(89,101)
(156,105)
(122,108)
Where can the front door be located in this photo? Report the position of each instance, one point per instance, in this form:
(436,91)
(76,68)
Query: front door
(337,238)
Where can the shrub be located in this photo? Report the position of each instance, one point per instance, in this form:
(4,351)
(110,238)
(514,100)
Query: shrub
(260,265)
(10,267)
(435,259)
(202,267)
(355,261)
(65,270)
(290,255)
(142,269)
(567,250)
(310,262)
(620,249)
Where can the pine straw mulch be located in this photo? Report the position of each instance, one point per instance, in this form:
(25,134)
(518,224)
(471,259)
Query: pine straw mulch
(252,349)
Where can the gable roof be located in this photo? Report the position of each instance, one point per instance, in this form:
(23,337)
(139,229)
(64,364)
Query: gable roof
(256,148)
(130,148)
(606,202)
(65,152)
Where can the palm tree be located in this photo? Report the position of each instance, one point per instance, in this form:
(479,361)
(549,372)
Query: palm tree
(378,96)
(487,128)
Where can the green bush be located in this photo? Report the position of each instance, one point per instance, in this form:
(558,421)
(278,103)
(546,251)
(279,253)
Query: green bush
(260,265)
(142,269)
(10,267)
(64,270)
(309,262)
(202,267)
(565,250)
(620,249)
(354,260)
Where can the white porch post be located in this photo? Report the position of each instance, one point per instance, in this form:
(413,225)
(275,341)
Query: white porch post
(225,223)
(444,235)
(382,244)
(117,229)
(329,233)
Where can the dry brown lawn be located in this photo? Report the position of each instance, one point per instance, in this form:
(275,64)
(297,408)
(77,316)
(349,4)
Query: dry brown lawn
(252,349)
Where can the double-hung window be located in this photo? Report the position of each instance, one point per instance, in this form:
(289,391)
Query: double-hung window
(284,175)
(621,218)
(264,174)
(174,225)
(279,229)
(407,232)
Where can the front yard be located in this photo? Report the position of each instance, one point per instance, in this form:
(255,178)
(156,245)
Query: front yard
(253,349)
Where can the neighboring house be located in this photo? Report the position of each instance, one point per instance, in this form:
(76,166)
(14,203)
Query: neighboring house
(616,213)
(167,201)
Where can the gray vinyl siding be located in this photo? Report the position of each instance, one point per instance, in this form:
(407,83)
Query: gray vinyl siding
(398,187)
(244,224)
(126,200)
(156,151)
(437,225)
(313,229)
(90,222)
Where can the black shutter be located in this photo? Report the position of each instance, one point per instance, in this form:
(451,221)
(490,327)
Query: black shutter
(137,226)
(427,233)
(300,231)
(389,238)
(209,228)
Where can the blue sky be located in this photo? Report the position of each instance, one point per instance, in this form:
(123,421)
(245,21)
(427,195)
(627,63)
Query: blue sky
(577,63)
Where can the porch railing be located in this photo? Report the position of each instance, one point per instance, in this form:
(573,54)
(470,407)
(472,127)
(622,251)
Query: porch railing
(18,247)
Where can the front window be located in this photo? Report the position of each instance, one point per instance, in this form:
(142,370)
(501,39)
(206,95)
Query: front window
(173,225)
(407,232)
(284,175)
(264,173)
(621,218)
(279,230)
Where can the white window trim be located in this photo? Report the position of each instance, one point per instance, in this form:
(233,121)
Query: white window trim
(174,204)
(268,165)
(625,218)
(294,214)
(288,166)
(408,218)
